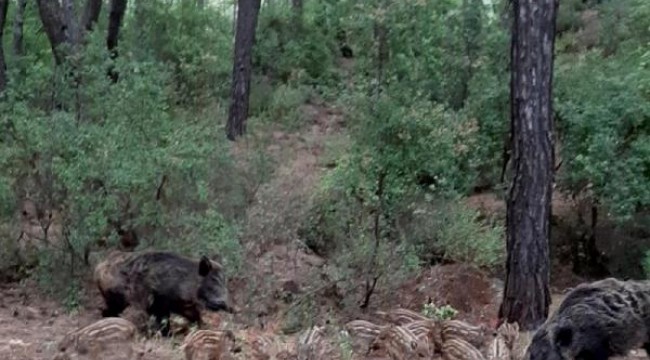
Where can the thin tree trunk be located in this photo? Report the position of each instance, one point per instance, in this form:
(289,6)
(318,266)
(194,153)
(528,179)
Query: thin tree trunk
(4,5)
(526,297)
(91,14)
(118,8)
(242,67)
(381,39)
(19,21)
(140,18)
(297,6)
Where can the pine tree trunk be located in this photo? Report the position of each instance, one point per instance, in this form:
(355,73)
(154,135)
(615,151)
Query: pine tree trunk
(91,14)
(4,5)
(526,296)
(51,16)
(19,21)
(242,67)
(115,16)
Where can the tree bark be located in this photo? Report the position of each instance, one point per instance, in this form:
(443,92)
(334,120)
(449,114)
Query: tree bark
(526,297)
(61,24)
(91,14)
(19,21)
(71,26)
(242,67)
(118,8)
(51,17)
(4,5)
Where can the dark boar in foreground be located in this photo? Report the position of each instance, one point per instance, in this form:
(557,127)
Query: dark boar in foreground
(595,322)
(161,283)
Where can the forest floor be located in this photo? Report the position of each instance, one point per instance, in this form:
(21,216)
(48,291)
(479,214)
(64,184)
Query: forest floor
(277,263)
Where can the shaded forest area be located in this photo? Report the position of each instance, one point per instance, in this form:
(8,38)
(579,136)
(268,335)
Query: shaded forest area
(328,153)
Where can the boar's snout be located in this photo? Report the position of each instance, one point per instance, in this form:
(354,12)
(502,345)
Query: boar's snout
(213,292)
(218,305)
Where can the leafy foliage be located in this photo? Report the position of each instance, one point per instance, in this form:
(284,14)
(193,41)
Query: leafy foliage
(444,312)
(605,130)
(427,125)
(285,51)
(115,152)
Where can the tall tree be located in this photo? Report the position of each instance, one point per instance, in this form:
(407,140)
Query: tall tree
(53,23)
(4,5)
(64,27)
(115,16)
(242,67)
(526,297)
(19,21)
(91,14)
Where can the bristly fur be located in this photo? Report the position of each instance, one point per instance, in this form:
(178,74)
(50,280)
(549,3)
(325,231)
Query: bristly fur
(475,335)
(108,334)
(459,349)
(207,344)
(400,343)
(401,316)
(596,320)
(161,283)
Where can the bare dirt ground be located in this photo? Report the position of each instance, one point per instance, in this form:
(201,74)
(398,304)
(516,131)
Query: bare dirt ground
(278,266)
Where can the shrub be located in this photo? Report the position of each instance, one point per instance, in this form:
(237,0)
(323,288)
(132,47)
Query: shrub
(461,237)
(196,42)
(113,153)
(605,131)
(444,312)
(285,50)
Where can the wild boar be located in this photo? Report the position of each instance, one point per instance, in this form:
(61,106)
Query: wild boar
(596,321)
(161,283)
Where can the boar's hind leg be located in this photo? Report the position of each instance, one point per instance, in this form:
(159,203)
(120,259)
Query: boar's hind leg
(115,303)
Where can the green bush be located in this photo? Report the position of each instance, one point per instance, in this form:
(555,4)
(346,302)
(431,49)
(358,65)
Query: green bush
(461,237)
(605,130)
(444,312)
(285,50)
(285,105)
(206,233)
(194,42)
(329,222)
(114,152)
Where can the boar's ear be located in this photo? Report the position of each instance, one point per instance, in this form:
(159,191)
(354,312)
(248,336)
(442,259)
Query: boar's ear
(205,265)
(564,336)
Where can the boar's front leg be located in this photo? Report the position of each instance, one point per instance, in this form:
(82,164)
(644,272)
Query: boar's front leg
(159,308)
